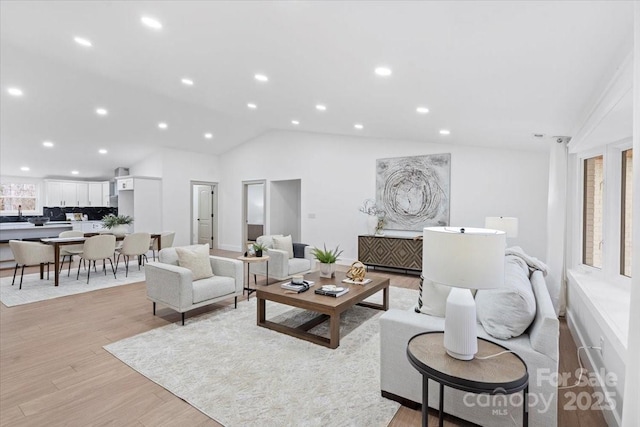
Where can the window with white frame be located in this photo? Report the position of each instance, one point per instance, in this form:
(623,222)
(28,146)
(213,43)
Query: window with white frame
(592,211)
(15,196)
(626,213)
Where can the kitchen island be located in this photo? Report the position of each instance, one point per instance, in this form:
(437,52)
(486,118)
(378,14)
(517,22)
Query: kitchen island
(26,231)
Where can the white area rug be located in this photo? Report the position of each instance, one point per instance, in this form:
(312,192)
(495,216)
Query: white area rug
(34,289)
(243,375)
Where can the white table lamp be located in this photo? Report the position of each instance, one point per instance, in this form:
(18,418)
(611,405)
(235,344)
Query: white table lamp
(508,224)
(465,259)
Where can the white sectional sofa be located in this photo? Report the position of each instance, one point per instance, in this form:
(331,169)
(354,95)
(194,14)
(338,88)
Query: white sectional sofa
(538,347)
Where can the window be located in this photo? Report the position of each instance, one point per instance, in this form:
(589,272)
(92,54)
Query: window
(626,213)
(14,196)
(592,211)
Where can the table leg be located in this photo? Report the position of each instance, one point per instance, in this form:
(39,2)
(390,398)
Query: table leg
(425,401)
(267,283)
(385,299)
(248,281)
(56,259)
(262,311)
(41,271)
(525,404)
(441,407)
(334,327)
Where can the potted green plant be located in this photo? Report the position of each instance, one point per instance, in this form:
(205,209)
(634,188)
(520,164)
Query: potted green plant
(258,248)
(117,224)
(327,259)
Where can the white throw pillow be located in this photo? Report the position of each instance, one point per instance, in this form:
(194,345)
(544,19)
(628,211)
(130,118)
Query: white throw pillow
(267,241)
(434,298)
(195,259)
(284,243)
(508,311)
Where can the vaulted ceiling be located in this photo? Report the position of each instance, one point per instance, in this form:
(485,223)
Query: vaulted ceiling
(492,73)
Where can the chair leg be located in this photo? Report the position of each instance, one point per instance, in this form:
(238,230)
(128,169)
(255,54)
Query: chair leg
(117,260)
(235,302)
(15,270)
(89,270)
(47,271)
(154,308)
(62,263)
(154,255)
(21,276)
(83,262)
(112,268)
(126,266)
(255,280)
(183,318)
(69,270)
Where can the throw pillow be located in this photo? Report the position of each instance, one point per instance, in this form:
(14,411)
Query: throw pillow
(196,259)
(283,243)
(267,241)
(508,311)
(433,298)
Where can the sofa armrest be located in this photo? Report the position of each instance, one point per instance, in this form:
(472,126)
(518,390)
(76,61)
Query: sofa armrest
(544,332)
(169,284)
(228,268)
(278,264)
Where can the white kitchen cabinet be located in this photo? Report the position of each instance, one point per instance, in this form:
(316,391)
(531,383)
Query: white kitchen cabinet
(95,194)
(54,193)
(69,194)
(82,194)
(106,200)
(75,193)
(125,184)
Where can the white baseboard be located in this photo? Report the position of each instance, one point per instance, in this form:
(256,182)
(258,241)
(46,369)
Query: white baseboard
(234,248)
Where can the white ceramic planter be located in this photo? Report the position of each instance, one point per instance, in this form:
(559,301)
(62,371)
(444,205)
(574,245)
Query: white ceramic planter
(372,223)
(327,270)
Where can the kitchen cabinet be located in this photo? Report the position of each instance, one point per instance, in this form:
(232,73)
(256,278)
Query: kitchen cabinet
(94,193)
(88,226)
(82,194)
(106,200)
(125,184)
(74,193)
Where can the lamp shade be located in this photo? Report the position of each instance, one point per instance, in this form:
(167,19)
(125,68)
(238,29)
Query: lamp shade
(470,258)
(508,224)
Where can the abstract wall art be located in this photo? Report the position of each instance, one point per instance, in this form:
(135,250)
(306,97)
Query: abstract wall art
(414,191)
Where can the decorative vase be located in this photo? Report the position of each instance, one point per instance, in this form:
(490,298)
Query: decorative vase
(327,270)
(372,224)
(259,253)
(120,229)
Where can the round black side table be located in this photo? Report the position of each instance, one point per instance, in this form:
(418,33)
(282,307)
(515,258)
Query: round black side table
(503,374)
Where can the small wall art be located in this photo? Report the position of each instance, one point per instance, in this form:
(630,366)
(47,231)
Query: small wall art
(414,191)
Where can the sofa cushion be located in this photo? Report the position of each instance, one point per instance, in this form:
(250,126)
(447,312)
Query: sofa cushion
(195,259)
(433,300)
(298,265)
(284,243)
(267,240)
(508,311)
(213,287)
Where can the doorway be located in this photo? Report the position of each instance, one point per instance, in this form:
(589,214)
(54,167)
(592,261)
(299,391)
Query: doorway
(204,213)
(253,210)
(285,208)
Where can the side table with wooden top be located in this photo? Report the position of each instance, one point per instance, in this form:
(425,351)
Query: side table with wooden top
(494,370)
(250,260)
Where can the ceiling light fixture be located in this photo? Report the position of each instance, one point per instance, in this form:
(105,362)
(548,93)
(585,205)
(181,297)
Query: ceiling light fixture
(74,172)
(445,132)
(14,91)
(82,41)
(358,126)
(101,111)
(48,144)
(187,82)
(24,168)
(163,125)
(252,106)
(295,122)
(151,22)
(422,110)
(102,151)
(321,107)
(208,135)
(383,71)
(261,78)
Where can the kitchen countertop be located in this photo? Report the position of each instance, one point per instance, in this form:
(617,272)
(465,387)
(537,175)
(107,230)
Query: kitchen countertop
(26,230)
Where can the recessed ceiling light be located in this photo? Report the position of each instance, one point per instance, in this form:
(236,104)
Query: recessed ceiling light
(82,41)
(187,82)
(101,111)
(24,168)
(261,78)
(321,107)
(358,126)
(208,135)
(102,151)
(163,125)
(295,122)
(252,106)
(444,132)
(48,144)
(151,22)
(74,172)
(383,71)
(422,110)
(14,91)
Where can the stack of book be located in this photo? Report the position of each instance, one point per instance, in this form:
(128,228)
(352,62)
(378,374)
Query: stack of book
(332,292)
(297,287)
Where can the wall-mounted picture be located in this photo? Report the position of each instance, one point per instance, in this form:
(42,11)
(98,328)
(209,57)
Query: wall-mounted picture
(414,191)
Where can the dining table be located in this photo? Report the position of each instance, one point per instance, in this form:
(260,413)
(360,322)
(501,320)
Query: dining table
(56,242)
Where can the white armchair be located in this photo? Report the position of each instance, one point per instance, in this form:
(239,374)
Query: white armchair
(281,265)
(172,285)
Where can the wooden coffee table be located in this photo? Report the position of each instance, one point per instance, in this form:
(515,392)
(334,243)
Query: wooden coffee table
(329,307)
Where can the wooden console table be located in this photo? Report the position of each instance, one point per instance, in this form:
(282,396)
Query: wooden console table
(404,253)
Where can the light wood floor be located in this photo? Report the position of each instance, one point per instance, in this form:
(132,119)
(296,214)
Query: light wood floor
(54,371)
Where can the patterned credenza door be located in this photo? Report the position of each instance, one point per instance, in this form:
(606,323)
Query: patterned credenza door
(396,252)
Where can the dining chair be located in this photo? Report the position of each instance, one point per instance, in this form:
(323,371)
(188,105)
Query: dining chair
(28,254)
(166,240)
(101,247)
(136,244)
(70,250)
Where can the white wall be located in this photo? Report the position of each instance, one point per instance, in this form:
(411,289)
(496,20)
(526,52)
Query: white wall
(284,208)
(255,204)
(177,169)
(337,173)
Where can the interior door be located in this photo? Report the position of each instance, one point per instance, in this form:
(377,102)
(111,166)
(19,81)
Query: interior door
(205,214)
